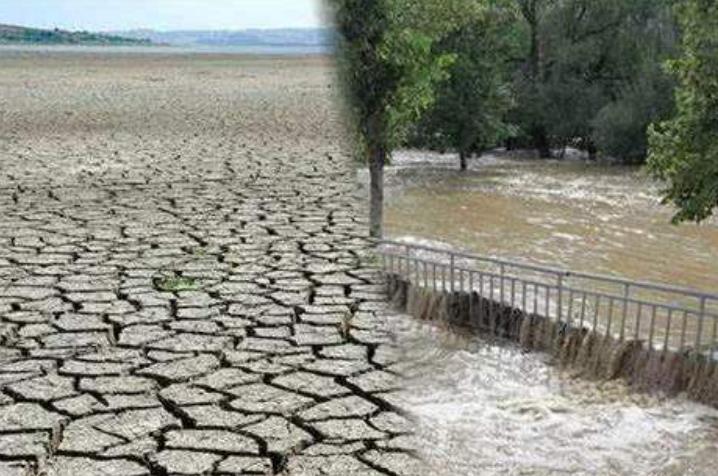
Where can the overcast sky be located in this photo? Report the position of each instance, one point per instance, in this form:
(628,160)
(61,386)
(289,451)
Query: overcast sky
(100,15)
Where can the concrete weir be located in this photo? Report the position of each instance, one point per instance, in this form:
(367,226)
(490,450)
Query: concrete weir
(591,354)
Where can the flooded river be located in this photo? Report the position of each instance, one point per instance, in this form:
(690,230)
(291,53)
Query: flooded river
(485,408)
(584,217)
(488,408)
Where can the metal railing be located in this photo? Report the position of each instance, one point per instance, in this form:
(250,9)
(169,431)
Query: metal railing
(664,317)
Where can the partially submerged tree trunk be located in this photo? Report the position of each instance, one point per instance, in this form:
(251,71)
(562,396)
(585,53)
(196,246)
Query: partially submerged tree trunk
(542,144)
(592,150)
(462,161)
(377,159)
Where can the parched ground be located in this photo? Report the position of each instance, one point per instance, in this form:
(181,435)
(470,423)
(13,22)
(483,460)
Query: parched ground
(185,278)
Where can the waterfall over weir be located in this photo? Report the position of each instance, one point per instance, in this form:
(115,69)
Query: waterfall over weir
(652,344)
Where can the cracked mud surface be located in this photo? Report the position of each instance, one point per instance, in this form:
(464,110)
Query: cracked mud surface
(185,280)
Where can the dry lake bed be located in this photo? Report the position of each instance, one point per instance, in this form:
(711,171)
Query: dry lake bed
(183,278)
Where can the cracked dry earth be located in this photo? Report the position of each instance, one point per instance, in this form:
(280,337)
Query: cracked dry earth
(226,175)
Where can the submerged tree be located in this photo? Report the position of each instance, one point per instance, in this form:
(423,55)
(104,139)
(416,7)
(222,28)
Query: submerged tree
(389,73)
(684,150)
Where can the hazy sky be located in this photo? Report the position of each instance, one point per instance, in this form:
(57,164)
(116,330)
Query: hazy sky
(161,14)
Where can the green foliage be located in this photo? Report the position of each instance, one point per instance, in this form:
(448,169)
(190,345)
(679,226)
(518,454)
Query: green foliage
(415,91)
(549,73)
(468,115)
(684,150)
(620,128)
(174,284)
(583,64)
(389,73)
(387,64)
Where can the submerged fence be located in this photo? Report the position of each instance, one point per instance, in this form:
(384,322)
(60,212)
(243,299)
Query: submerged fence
(664,318)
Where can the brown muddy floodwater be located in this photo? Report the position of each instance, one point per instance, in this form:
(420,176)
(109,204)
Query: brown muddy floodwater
(487,408)
(596,219)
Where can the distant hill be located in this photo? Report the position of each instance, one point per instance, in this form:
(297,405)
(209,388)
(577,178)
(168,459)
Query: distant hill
(12,34)
(276,37)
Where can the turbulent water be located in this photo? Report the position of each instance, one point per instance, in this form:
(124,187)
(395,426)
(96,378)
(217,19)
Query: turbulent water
(487,408)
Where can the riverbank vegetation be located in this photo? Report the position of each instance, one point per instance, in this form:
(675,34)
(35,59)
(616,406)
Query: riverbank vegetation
(470,75)
(11,34)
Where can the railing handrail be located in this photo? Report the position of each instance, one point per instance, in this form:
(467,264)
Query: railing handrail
(558,271)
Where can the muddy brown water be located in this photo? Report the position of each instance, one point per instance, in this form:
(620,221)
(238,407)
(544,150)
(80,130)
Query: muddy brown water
(596,219)
(485,407)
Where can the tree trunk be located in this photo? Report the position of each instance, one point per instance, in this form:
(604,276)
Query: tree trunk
(535,48)
(542,143)
(531,12)
(462,161)
(376,201)
(592,151)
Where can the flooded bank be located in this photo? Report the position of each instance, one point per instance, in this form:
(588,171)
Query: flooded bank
(577,215)
(486,408)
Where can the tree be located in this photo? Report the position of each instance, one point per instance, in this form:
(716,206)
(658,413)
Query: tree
(470,108)
(642,92)
(620,129)
(531,74)
(389,72)
(684,150)
(584,61)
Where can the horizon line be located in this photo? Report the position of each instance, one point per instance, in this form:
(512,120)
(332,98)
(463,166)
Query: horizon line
(161,30)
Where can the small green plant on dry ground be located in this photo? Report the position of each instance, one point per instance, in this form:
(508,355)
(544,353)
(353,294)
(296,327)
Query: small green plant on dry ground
(174,284)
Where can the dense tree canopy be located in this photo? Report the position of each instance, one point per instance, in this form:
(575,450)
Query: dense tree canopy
(470,108)
(574,72)
(589,68)
(684,150)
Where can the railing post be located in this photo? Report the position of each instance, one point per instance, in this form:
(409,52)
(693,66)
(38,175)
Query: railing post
(626,295)
(451,270)
(639,312)
(651,331)
(701,318)
(667,335)
(501,294)
(417,271)
(684,325)
(408,263)
(610,317)
(471,297)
